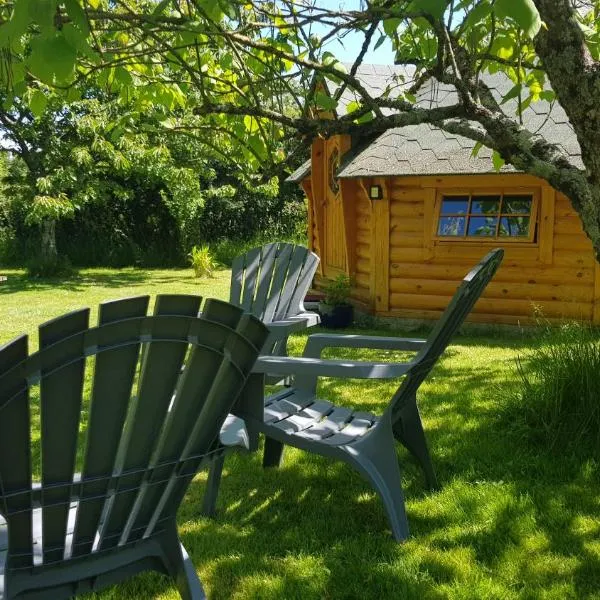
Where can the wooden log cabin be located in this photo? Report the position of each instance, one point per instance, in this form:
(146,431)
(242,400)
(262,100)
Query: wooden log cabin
(407,214)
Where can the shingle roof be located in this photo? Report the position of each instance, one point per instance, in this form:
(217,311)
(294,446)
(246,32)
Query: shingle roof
(300,173)
(426,150)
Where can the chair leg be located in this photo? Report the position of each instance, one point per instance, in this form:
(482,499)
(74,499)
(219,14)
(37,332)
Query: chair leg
(273,454)
(180,566)
(209,504)
(408,430)
(379,465)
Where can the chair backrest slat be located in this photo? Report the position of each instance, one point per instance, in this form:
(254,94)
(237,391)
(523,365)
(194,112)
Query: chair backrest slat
(460,306)
(297,260)
(61,394)
(267,262)
(279,277)
(15,456)
(237,280)
(114,374)
(251,269)
(309,268)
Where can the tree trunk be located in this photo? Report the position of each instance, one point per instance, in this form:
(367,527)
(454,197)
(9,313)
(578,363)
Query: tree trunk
(48,249)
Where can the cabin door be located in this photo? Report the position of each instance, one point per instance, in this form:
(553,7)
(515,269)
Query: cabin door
(334,251)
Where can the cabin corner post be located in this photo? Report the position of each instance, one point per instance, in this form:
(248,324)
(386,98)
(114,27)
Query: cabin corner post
(317,183)
(596,310)
(429,210)
(349,192)
(380,244)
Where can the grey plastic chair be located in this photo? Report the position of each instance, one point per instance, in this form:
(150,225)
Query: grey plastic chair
(297,417)
(271,282)
(138,441)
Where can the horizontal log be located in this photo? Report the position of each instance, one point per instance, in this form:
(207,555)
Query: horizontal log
(497,289)
(363,223)
(363,265)
(407,209)
(409,255)
(568,225)
(574,259)
(406,239)
(363,209)
(474,252)
(406,224)
(517,274)
(496,306)
(363,237)
(573,243)
(362,279)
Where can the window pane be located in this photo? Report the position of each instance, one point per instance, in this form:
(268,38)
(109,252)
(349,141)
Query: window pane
(455,205)
(517,204)
(482,226)
(485,205)
(514,227)
(452,226)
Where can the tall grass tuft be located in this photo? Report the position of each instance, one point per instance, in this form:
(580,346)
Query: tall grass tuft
(557,396)
(202,261)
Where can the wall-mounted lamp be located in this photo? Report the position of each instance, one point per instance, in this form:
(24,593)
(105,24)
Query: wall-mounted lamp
(375,192)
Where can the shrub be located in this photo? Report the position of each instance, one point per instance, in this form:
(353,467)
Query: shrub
(202,261)
(557,395)
(337,291)
(58,267)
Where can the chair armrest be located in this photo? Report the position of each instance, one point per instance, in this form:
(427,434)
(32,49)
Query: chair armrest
(351,369)
(319,341)
(280,330)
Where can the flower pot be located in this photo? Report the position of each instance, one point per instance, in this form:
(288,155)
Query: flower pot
(336,317)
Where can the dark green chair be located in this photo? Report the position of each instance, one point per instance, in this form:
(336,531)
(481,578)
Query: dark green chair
(113,462)
(271,282)
(298,417)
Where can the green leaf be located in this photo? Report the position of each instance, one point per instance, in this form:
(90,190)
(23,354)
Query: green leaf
(548,95)
(38,103)
(77,15)
(512,93)
(478,14)
(42,12)
(523,12)
(435,8)
(352,106)
(161,7)
(325,101)
(380,41)
(390,26)
(497,160)
(476,148)
(52,59)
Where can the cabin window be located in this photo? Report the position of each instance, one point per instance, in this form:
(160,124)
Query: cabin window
(479,216)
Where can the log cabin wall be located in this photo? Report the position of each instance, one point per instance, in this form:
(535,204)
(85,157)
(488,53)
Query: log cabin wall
(402,269)
(554,275)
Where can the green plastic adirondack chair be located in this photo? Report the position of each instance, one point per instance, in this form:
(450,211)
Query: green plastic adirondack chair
(297,417)
(271,282)
(161,387)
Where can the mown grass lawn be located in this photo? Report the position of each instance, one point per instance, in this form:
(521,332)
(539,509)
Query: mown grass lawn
(512,520)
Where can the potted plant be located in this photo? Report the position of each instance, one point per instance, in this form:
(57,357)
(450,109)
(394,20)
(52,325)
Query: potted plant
(335,308)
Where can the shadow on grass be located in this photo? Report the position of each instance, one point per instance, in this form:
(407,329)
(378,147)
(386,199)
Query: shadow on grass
(75,283)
